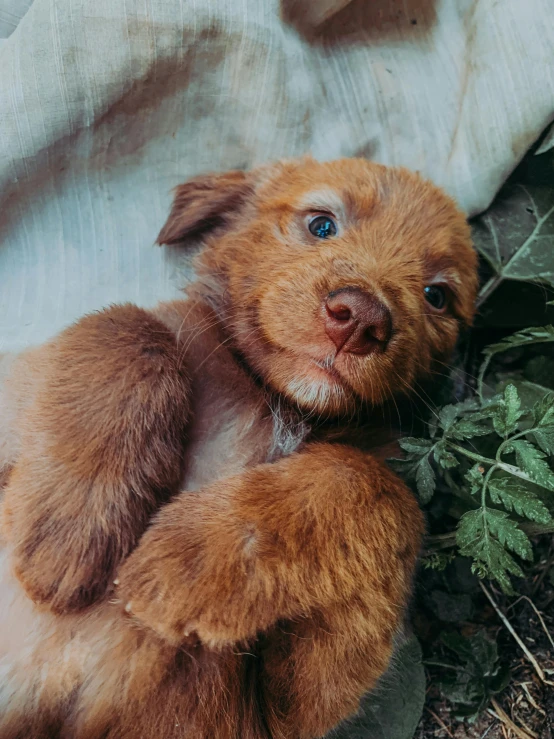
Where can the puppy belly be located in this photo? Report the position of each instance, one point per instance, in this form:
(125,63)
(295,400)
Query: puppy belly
(24,634)
(43,657)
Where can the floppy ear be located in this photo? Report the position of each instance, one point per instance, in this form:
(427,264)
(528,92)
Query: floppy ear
(205,203)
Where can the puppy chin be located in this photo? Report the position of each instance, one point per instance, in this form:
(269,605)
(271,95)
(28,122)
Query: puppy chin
(321,395)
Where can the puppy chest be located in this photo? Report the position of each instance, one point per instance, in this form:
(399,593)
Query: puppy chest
(229,428)
(232,431)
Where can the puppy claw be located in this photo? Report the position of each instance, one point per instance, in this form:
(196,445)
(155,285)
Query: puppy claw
(116,581)
(128,608)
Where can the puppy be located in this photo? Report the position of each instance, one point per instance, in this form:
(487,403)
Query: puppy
(198,540)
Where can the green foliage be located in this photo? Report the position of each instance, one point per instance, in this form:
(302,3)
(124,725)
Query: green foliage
(416,466)
(526,337)
(485,469)
(516,235)
(514,496)
(474,673)
(438,560)
(503,482)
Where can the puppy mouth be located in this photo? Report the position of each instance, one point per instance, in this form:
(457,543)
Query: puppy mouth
(327,367)
(325,370)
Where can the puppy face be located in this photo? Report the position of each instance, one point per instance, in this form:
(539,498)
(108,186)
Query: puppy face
(341,283)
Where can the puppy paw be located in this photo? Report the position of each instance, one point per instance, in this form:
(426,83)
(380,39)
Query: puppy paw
(164,593)
(63,555)
(62,571)
(188,578)
(62,591)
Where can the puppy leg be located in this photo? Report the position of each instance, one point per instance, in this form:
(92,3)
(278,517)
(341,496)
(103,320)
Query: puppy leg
(315,670)
(321,529)
(101,434)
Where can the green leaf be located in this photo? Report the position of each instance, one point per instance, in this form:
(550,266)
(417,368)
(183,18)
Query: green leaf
(543,411)
(507,412)
(404,467)
(444,457)
(516,235)
(532,461)
(525,337)
(438,560)
(529,392)
(415,446)
(533,335)
(480,675)
(467,429)
(462,688)
(483,535)
(508,533)
(545,439)
(418,470)
(447,416)
(477,649)
(513,495)
(475,478)
(394,708)
(425,480)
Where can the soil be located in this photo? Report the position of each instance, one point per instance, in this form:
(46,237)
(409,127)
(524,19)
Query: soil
(527,704)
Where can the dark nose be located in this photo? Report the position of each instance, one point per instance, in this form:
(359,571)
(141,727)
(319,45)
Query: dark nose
(357,322)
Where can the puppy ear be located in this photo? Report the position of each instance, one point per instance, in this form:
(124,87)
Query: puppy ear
(205,203)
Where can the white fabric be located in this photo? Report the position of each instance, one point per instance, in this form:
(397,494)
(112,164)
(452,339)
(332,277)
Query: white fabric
(107,104)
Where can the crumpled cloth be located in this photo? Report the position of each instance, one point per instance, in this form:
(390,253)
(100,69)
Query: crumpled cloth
(105,105)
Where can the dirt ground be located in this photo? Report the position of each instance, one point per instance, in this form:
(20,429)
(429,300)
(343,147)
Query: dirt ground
(525,709)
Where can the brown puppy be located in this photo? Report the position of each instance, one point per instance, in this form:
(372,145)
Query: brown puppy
(263,600)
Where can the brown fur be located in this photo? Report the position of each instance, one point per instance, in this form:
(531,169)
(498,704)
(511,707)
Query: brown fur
(264,599)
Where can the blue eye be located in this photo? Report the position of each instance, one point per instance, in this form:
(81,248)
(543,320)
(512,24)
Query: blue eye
(435,295)
(323,227)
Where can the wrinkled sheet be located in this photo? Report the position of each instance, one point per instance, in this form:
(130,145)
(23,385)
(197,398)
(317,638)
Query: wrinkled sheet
(105,105)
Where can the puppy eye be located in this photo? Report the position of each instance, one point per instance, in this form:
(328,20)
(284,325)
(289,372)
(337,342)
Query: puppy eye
(323,227)
(435,295)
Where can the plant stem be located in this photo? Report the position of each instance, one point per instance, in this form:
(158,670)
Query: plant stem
(505,443)
(484,501)
(481,376)
(470,455)
(510,468)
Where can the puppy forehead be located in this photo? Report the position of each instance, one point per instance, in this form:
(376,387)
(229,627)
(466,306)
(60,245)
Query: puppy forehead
(352,187)
(322,198)
(372,196)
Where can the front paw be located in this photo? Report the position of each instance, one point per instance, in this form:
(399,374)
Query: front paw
(189,578)
(63,588)
(59,554)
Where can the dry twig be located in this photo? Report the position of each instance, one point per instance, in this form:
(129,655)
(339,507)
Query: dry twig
(440,722)
(539,616)
(500,714)
(530,698)
(508,625)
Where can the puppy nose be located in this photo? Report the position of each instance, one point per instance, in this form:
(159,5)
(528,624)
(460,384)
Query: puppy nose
(357,322)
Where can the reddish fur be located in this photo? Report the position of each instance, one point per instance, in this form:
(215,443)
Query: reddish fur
(265,597)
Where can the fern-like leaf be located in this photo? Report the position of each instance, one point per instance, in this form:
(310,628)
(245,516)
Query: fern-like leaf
(532,461)
(507,412)
(484,535)
(513,495)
